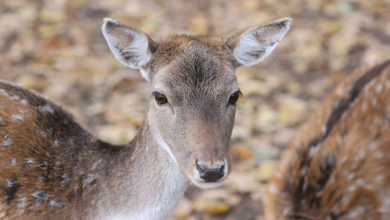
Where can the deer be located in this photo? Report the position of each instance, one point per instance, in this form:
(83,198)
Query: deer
(53,168)
(337,166)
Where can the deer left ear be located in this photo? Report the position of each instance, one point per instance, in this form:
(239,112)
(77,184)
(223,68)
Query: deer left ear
(254,44)
(131,47)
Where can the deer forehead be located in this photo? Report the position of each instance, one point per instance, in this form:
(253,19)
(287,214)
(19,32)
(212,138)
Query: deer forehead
(197,68)
(173,45)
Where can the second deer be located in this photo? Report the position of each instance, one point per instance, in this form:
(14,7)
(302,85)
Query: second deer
(338,164)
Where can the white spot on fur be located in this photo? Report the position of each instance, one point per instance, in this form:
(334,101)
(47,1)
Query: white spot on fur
(3,92)
(379,178)
(41,133)
(21,205)
(323,129)
(379,88)
(361,182)
(65,181)
(40,194)
(374,102)
(379,155)
(88,179)
(22,202)
(54,203)
(7,142)
(12,162)
(272,188)
(385,205)
(29,163)
(42,178)
(15,97)
(46,108)
(17,117)
(56,143)
(345,115)
(313,150)
(10,183)
(355,212)
(24,101)
(351,188)
(373,145)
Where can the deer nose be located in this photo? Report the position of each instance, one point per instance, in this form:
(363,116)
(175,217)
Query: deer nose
(210,174)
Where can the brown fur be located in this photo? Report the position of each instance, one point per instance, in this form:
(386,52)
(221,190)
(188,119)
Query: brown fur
(170,47)
(345,176)
(58,165)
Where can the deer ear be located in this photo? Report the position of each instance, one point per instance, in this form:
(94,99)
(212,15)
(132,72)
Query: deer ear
(254,44)
(131,47)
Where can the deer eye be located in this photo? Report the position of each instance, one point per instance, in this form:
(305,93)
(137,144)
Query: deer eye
(160,98)
(234,97)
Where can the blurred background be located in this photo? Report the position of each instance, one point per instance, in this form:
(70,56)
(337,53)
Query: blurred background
(56,48)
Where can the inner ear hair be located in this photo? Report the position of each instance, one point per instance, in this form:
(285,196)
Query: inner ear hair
(130,46)
(252,45)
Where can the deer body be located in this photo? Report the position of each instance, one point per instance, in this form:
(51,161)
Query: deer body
(41,177)
(338,164)
(52,168)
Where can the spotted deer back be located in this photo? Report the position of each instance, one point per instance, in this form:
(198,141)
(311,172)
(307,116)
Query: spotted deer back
(337,164)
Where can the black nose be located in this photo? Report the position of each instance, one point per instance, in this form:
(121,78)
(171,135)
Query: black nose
(210,174)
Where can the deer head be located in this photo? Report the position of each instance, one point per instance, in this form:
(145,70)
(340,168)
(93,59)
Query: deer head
(194,90)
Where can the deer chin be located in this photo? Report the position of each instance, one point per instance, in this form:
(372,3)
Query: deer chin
(204,185)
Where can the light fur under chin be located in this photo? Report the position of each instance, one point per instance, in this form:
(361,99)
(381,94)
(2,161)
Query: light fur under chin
(207,185)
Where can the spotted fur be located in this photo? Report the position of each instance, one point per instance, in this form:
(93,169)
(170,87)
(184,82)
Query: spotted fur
(337,165)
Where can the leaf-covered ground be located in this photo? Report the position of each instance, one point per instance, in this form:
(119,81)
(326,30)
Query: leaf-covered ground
(55,47)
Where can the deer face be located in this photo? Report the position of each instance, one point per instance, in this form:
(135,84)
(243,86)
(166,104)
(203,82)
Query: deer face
(194,90)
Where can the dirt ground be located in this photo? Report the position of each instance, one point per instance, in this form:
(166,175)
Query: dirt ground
(56,48)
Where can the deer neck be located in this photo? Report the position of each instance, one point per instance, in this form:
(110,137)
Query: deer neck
(146,182)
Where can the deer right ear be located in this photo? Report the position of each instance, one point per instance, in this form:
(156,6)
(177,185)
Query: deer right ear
(131,47)
(253,45)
